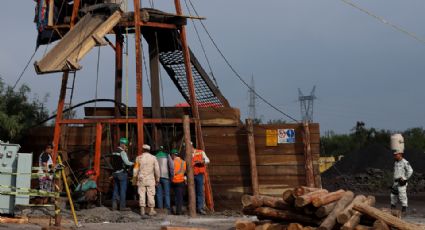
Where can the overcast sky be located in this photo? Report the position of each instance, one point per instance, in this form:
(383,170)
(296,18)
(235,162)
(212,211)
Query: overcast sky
(363,70)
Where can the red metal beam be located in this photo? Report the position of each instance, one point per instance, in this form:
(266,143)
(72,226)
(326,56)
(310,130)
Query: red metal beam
(57,131)
(194,105)
(139,96)
(123,121)
(74,13)
(98,146)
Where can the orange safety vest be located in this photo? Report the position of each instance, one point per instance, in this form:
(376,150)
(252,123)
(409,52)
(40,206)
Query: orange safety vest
(197,167)
(179,170)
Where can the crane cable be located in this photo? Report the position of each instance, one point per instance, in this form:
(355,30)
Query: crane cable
(236,73)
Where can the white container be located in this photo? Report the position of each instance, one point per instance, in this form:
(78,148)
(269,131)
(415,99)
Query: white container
(397,143)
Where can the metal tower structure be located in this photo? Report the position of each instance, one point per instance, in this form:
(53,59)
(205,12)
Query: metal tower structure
(306,104)
(252,101)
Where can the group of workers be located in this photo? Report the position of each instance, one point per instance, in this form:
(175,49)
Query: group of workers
(154,176)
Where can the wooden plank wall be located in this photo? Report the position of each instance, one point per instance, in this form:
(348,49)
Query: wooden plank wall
(279,167)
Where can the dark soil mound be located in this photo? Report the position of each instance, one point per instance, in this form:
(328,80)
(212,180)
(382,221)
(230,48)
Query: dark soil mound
(370,170)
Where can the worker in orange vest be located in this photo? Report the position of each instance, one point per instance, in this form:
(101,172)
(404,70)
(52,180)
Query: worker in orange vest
(199,161)
(178,180)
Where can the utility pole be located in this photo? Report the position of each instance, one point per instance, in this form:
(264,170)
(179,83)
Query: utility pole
(252,104)
(306,104)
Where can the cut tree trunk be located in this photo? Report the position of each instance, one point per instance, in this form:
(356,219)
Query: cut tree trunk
(394,212)
(281,215)
(288,196)
(330,220)
(325,210)
(328,198)
(385,217)
(244,225)
(355,218)
(379,225)
(306,199)
(299,191)
(295,226)
(258,201)
(345,215)
(362,227)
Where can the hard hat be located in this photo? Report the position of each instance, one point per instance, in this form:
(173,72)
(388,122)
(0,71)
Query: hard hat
(174,151)
(146,147)
(124,140)
(90,172)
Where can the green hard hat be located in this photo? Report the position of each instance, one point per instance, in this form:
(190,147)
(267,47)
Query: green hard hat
(124,140)
(174,151)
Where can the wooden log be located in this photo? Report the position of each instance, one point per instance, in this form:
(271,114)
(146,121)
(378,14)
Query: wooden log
(252,157)
(309,209)
(309,172)
(251,201)
(258,201)
(325,210)
(275,226)
(12,220)
(299,191)
(190,175)
(327,198)
(309,228)
(380,225)
(263,226)
(330,220)
(385,217)
(244,225)
(363,227)
(394,212)
(295,226)
(345,215)
(288,197)
(281,215)
(355,218)
(305,199)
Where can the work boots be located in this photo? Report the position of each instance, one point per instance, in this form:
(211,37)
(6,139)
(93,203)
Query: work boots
(152,212)
(142,211)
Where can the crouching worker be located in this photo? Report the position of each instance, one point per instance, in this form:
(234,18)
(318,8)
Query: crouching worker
(178,180)
(85,194)
(146,175)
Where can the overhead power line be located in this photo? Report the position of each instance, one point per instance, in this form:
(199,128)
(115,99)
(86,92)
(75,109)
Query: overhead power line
(383,20)
(236,73)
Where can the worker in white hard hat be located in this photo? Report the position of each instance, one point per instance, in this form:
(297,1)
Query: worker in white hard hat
(147,174)
(402,172)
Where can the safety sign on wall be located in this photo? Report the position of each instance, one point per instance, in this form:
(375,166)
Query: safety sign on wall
(271,137)
(285,136)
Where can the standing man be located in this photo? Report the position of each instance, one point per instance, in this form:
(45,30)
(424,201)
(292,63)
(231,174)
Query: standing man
(45,163)
(199,161)
(402,172)
(147,174)
(166,169)
(120,164)
(178,180)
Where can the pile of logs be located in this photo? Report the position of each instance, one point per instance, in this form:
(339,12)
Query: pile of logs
(307,208)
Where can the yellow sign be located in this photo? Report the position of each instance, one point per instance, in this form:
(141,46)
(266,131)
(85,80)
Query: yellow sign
(271,137)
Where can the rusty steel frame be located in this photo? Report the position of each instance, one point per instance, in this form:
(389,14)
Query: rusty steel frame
(139,120)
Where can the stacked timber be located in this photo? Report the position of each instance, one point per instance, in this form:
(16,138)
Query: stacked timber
(307,208)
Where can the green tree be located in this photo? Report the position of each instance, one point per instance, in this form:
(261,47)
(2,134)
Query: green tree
(18,112)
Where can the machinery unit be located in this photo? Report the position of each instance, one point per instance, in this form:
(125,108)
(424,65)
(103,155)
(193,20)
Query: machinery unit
(15,177)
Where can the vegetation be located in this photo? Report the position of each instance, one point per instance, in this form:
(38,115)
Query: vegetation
(18,112)
(340,144)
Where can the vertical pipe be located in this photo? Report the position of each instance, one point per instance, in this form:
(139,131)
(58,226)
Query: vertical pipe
(139,98)
(309,172)
(74,13)
(252,157)
(189,167)
(118,82)
(56,136)
(194,106)
(97,150)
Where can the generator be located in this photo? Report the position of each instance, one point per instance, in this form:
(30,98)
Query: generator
(15,177)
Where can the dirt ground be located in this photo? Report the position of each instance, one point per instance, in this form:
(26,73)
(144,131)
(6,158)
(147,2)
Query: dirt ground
(105,219)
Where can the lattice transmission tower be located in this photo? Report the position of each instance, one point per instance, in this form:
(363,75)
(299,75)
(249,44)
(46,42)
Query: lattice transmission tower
(306,104)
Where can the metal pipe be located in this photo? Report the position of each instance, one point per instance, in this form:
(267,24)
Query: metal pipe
(97,150)
(139,97)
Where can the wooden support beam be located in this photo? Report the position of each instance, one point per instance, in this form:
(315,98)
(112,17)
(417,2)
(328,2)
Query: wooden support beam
(190,175)
(252,157)
(155,89)
(309,172)
(119,41)
(139,87)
